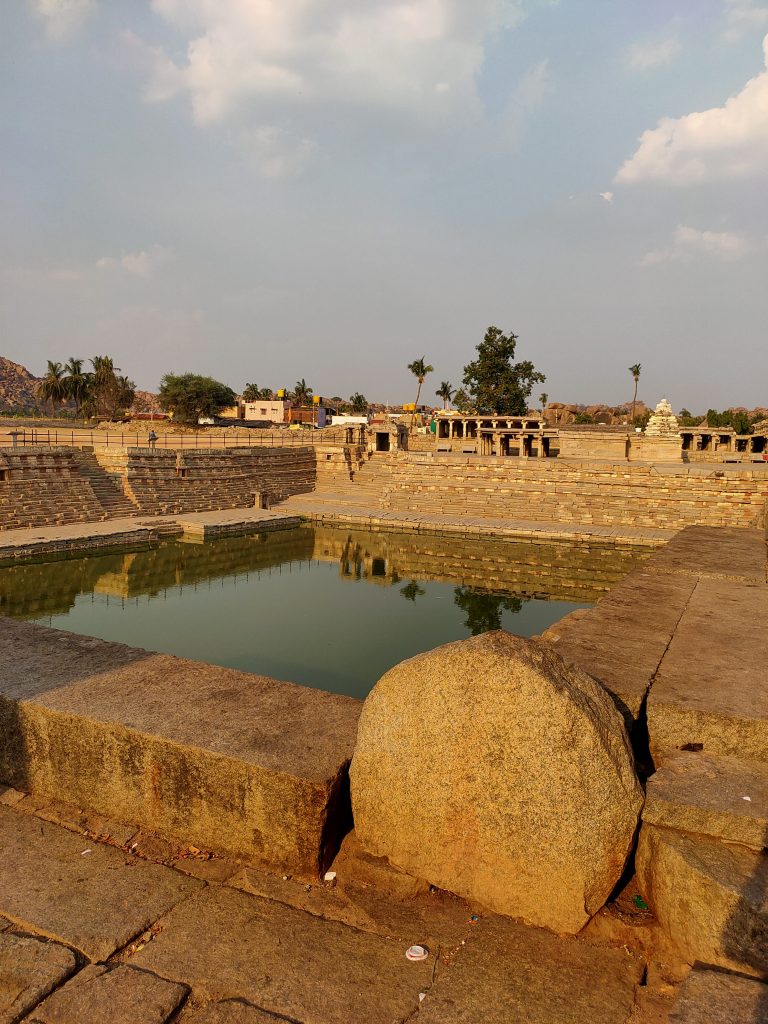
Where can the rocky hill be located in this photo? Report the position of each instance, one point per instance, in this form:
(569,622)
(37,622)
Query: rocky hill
(17,387)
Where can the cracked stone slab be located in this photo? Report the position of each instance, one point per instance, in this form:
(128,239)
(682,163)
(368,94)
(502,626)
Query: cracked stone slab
(508,973)
(713,997)
(722,797)
(718,552)
(30,968)
(227,944)
(120,995)
(95,902)
(711,689)
(229,1011)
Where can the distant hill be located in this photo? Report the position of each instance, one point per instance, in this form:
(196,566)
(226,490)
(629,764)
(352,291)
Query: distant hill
(18,387)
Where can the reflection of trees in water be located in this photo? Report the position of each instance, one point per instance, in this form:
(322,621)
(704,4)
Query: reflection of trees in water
(412,590)
(483,610)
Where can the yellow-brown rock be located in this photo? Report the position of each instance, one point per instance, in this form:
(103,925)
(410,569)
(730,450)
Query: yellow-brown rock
(490,768)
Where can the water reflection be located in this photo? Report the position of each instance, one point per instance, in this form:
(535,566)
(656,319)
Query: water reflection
(322,606)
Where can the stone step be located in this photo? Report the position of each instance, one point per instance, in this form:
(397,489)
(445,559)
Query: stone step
(710,897)
(721,797)
(226,760)
(713,997)
(711,690)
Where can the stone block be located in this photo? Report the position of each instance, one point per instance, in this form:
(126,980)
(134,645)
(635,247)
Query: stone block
(229,761)
(721,797)
(229,1011)
(711,898)
(93,901)
(120,995)
(30,968)
(712,997)
(507,972)
(226,944)
(491,769)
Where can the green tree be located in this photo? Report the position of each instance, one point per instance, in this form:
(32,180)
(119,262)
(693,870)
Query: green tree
(483,610)
(494,382)
(189,396)
(107,393)
(543,399)
(419,369)
(635,371)
(445,391)
(358,404)
(462,401)
(78,383)
(253,393)
(52,389)
(302,393)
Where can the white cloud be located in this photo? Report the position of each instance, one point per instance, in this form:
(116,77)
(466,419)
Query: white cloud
(528,97)
(689,244)
(62,19)
(142,263)
(607,196)
(644,56)
(403,53)
(275,152)
(744,16)
(727,143)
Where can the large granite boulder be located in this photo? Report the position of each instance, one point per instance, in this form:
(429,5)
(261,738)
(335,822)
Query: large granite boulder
(492,769)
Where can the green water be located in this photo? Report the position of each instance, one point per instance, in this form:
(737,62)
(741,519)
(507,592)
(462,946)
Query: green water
(328,608)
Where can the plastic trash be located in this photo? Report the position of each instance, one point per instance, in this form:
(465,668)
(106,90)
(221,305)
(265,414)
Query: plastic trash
(416,953)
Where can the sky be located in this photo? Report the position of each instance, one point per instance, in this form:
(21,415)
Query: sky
(269,190)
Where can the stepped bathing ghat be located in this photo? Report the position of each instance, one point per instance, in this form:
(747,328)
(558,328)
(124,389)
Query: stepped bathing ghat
(573,826)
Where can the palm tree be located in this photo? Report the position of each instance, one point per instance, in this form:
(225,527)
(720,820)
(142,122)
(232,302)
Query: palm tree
(302,393)
(445,391)
(53,387)
(419,369)
(77,383)
(635,371)
(543,398)
(358,403)
(253,393)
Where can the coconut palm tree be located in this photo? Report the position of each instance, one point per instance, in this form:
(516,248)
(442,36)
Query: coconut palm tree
(419,369)
(445,391)
(635,371)
(543,398)
(53,387)
(302,393)
(358,403)
(77,383)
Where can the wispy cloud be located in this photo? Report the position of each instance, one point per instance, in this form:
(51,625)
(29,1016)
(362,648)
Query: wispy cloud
(742,16)
(727,143)
(527,98)
(275,152)
(62,19)
(689,244)
(653,53)
(142,263)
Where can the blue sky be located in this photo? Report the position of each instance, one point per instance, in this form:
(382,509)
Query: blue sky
(263,190)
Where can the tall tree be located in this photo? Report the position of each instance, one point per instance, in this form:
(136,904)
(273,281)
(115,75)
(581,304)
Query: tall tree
(494,382)
(462,401)
(543,399)
(302,392)
(52,389)
(445,391)
(635,371)
(419,369)
(77,383)
(358,404)
(253,393)
(189,396)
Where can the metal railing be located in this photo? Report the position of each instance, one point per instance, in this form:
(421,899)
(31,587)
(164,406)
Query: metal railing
(35,437)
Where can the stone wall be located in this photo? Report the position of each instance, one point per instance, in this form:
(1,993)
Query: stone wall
(165,482)
(610,494)
(44,487)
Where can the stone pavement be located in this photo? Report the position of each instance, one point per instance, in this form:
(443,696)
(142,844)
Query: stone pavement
(91,931)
